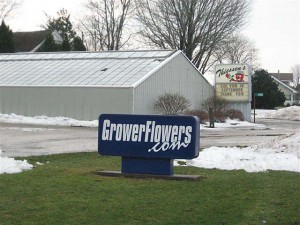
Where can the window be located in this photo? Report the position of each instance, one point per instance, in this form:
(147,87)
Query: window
(288,97)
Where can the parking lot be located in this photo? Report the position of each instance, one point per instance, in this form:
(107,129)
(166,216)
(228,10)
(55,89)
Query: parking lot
(26,140)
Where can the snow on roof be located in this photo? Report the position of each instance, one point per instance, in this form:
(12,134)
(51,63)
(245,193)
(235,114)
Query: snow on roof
(107,68)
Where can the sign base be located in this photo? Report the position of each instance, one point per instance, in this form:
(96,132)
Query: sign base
(152,166)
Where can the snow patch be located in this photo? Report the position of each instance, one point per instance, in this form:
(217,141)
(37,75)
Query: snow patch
(278,154)
(44,120)
(10,165)
(288,113)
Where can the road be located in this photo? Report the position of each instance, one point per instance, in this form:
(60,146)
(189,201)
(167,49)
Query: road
(246,136)
(19,140)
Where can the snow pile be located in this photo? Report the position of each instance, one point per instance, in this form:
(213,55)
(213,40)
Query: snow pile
(64,121)
(283,154)
(10,165)
(289,113)
(285,144)
(44,120)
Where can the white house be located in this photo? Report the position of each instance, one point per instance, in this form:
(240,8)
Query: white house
(289,92)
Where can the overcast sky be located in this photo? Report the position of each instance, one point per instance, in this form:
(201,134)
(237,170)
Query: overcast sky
(274,26)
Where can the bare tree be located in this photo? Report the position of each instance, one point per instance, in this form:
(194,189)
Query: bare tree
(296,74)
(220,106)
(7,6)
(172,104)
(237,49)
(193,26)
(104,25)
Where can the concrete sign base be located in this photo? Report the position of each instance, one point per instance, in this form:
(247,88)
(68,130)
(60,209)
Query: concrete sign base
(147,176)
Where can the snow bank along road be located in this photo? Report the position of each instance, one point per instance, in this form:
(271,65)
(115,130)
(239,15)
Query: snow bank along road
(26,140)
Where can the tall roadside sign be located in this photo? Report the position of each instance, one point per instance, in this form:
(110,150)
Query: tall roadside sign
(233,83)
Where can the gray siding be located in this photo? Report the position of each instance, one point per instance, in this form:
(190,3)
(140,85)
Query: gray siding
(84,103)
(176,76)
(244,107)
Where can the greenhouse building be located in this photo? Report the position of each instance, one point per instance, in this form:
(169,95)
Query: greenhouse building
(83,85)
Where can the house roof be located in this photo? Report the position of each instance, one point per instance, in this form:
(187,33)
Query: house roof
(283,76)
(285,85)
(27,41)
(33,40)
(107,68)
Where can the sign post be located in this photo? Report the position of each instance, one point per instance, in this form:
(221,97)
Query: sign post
(256,95)
(148,144)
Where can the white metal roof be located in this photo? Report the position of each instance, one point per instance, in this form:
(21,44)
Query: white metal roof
(107,68)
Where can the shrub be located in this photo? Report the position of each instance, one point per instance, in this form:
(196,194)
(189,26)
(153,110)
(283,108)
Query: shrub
(172,104)
(234,114)
(202,115)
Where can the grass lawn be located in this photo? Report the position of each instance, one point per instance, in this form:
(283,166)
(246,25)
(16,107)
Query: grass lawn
(68,191)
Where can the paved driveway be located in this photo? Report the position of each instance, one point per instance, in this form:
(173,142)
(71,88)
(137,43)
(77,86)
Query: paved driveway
(25,140)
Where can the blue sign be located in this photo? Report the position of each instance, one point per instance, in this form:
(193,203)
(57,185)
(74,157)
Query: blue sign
(148,143)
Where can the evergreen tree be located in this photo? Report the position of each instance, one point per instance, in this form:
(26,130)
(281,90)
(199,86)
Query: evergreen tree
(65,46)
(262,82)
(78,44)
(6,39)
(49,45)
(64,27)
(61,24)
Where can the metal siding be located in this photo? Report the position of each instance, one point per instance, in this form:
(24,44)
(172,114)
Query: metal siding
(177,76)
(78,103)
(244,107)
